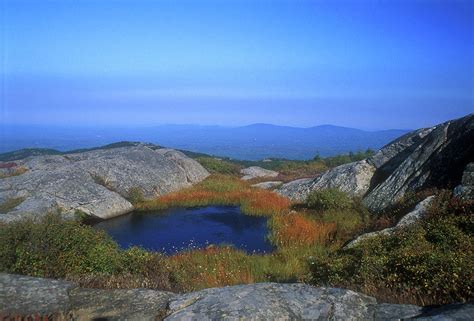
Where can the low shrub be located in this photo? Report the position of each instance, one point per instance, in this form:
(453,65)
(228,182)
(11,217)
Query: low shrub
(52,247)
(56,248)
(348,222)
(219,166)
(338,160)
(328,199)
(427,263)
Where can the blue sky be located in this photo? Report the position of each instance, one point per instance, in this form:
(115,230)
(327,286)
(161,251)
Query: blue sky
(365,64)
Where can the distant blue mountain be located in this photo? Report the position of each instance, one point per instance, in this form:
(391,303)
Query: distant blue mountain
(253,142)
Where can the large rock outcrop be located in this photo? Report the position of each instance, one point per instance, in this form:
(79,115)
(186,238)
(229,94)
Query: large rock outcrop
(96,182)
(430,157)
(23,297)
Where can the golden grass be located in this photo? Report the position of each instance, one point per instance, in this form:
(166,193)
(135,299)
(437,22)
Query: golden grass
(296,229)
(222,190)
(211,267)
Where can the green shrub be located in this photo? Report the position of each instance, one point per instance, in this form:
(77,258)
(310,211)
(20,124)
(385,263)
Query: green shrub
(338,160)
(328,199)
(427,263)
(347,221)
(56,248)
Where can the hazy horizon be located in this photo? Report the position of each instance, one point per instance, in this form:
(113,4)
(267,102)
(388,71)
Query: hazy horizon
(184,125)
(359,64)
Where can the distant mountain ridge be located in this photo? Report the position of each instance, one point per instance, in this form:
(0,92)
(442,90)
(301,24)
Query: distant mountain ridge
(252,142)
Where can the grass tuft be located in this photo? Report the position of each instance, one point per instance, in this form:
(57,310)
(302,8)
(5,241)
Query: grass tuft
(296,229)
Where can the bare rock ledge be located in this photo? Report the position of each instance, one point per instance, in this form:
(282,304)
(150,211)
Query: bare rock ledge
(97,182)
(24,296)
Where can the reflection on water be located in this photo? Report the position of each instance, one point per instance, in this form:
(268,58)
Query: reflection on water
(172,230)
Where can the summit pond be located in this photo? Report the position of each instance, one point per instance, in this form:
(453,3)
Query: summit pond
(172,230)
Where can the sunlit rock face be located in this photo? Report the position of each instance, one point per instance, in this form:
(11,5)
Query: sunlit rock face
(430,157)
(96,183)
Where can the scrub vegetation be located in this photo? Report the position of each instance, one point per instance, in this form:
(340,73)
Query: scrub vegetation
(288,169)
(427,263)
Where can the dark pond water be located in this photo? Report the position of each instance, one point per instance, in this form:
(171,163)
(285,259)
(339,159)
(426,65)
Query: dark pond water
(176,229)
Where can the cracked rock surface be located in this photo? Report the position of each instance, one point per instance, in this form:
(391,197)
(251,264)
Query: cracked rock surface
(23,297)
(272,301)
(96,182)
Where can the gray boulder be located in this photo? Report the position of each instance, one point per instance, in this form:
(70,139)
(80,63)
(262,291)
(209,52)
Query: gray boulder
(256,171)
(430,157)
(353,178)
(271,301)
(23,296)
(96,182)
(26,296)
